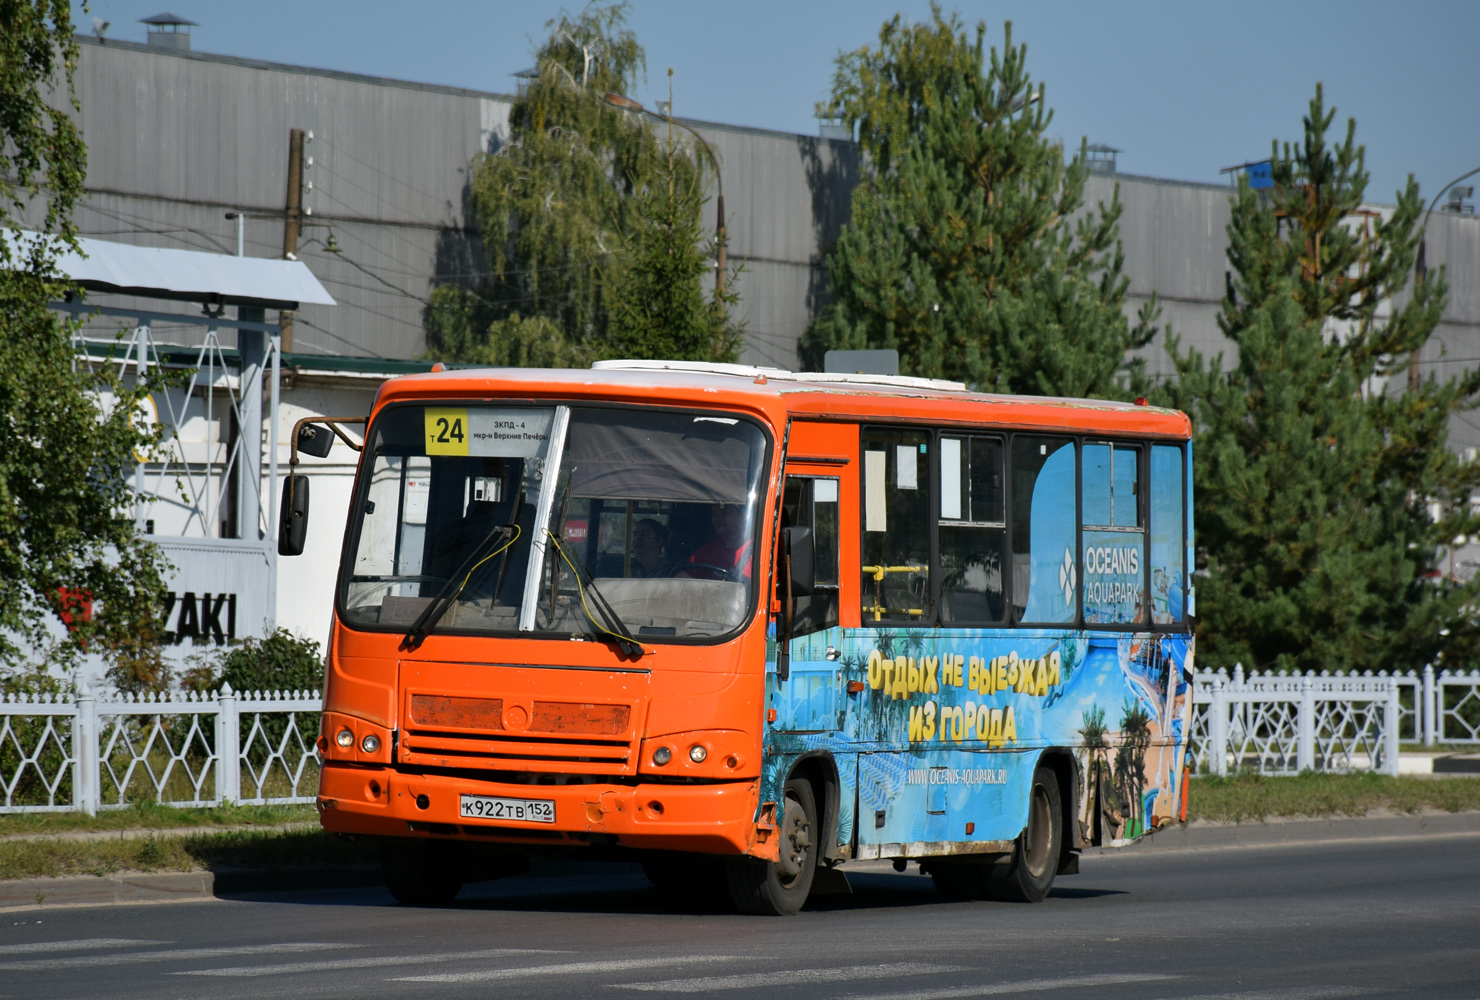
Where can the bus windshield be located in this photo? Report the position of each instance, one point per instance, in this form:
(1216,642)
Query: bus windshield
(568,520)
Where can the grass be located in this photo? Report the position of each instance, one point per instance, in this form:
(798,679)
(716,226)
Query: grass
(152,816)
(235,849)
(1250,797)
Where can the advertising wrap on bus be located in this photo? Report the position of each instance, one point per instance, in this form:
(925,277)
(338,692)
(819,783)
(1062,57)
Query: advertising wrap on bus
(976,710)
(746,627)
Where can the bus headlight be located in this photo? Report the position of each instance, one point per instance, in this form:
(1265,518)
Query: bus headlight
(370,743)
(345,738)
(662,755)
(697,753)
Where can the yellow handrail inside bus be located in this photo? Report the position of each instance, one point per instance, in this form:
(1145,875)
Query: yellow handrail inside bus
(877,572)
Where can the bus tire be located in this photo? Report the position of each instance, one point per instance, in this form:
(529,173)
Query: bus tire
(419,873)
(1028,875)
(779,888)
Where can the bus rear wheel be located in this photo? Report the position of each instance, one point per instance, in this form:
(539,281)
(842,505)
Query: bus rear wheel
(779,888)
(420,873)
(1027,876)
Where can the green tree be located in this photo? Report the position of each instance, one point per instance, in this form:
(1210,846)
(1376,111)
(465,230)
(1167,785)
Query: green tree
(968,250)
(65,539)
(590,223)
(1319,473)
(659,309)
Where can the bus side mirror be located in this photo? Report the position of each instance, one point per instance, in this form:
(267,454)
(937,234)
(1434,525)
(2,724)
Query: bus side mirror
(293,516)
(315,440)
(799,559)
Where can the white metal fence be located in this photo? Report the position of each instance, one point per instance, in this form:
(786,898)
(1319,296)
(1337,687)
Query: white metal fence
(85,754)
(1285,724)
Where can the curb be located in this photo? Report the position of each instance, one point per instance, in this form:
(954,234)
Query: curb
(143,833)
(1211,836)
(94,890)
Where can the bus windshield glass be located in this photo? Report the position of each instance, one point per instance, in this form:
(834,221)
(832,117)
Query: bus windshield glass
(590,521)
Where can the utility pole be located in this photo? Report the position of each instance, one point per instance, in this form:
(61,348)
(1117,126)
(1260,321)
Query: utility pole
(292,219)
(1420,272)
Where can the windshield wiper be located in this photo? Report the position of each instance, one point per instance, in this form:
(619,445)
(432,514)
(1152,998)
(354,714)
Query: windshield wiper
(434,611)
(616,630)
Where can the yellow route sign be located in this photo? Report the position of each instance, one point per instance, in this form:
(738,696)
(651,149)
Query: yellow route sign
(447,431)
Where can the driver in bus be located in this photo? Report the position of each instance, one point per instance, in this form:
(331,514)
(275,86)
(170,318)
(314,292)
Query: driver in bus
(728,550)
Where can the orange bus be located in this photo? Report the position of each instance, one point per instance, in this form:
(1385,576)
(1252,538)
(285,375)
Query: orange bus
(746,626)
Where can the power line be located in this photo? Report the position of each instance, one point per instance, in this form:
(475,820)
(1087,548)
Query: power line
(298,318)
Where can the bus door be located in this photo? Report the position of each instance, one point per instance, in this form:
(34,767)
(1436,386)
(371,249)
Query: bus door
(820,480)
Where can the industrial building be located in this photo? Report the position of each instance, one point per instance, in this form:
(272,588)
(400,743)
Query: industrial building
(179,140)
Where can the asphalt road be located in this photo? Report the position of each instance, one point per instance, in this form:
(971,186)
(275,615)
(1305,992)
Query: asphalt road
(1391,918)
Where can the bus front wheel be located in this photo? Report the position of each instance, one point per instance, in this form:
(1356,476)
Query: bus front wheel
(1028,874)
(779,888)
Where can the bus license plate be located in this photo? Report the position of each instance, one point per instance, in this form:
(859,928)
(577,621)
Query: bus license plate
(526,810)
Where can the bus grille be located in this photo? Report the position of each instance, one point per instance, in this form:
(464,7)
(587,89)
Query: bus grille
(478,733)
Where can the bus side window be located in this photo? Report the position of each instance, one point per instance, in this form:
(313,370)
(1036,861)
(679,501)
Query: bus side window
(1043,529)
(1168,558)
(1113,562)
(812,502)
(896,525)
(973,529)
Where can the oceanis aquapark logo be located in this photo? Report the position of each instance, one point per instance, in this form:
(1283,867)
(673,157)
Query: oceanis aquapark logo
(1066,576)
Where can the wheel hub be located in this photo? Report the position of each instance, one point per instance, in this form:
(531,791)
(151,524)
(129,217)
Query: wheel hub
(796,843)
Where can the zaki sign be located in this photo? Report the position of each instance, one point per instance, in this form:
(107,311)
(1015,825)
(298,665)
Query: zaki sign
(207,618)
(221,590)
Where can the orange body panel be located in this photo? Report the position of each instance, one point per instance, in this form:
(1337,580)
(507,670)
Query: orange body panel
(576,718)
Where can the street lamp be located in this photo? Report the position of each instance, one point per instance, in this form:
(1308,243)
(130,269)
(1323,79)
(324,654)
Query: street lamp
(628,104)
(1421,266)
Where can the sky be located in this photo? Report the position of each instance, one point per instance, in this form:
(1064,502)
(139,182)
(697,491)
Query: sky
(1182,88)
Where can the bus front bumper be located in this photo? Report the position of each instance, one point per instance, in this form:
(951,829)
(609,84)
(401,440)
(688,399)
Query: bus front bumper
(708,819)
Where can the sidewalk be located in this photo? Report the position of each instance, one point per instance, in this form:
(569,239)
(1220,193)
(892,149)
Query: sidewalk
(1209,835)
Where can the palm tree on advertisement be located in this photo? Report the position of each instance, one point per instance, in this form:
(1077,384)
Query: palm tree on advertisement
(1130,761)
(1093,733)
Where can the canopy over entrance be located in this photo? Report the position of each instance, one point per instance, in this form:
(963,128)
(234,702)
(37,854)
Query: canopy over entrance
(190,275)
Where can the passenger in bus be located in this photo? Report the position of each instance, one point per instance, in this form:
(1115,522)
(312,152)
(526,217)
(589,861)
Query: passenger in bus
(649,539)
(727,554)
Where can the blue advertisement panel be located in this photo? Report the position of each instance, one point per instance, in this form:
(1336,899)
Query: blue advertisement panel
(942,729)
(1114,576)
(1168,552)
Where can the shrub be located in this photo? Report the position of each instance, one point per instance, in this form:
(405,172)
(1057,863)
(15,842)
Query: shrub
(281,662)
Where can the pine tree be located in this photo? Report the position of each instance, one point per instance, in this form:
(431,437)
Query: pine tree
(967,250)
(1318,474)
(580,195)
(659,309)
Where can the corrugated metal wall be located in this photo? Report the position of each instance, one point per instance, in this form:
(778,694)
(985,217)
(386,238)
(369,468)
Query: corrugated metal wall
(177,139)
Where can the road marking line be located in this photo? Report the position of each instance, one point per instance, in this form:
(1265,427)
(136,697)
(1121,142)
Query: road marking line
(172,955)
(368,962)
(79,945)
(1293,993)
(1021,986)
(567,969)
(790,977)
